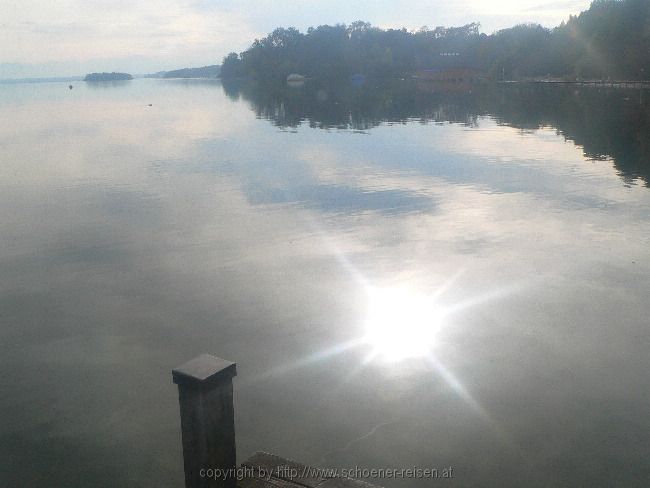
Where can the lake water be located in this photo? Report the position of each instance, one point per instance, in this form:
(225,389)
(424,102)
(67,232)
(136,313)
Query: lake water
(144,223)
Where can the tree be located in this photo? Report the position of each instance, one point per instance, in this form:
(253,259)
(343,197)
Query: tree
(231,66)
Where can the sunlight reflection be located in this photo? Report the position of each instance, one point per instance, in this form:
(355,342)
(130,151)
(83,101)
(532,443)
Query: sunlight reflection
(401,323)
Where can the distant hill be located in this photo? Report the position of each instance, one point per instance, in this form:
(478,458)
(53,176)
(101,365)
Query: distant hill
(107,76)
(159,74)
(203,72)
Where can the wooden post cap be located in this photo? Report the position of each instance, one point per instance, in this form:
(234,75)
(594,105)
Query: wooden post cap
(204,370)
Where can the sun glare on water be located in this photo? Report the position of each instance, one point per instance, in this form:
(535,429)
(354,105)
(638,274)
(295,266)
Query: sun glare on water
(401,324)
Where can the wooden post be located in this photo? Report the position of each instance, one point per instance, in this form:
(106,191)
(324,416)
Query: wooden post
(205,395)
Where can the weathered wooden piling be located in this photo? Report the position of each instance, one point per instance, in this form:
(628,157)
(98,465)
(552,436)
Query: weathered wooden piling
(205,394)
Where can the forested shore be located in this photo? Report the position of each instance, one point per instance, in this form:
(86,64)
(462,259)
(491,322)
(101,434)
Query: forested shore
(611,40)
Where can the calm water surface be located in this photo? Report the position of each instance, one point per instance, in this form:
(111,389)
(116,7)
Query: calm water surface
(255,223)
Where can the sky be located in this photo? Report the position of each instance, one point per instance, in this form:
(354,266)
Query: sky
(74,37)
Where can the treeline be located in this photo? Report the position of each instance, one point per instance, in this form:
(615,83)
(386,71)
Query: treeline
(610,40)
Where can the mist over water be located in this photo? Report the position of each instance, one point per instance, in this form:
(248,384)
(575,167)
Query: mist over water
(146,222)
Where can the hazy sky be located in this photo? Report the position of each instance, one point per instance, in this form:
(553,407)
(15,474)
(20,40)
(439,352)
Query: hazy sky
(72,37)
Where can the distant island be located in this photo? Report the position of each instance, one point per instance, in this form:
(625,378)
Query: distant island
(107,77)
(608,41)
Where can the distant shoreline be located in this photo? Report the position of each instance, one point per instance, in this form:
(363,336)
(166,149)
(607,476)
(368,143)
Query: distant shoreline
(113,76)
(55,79)
(615,84)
